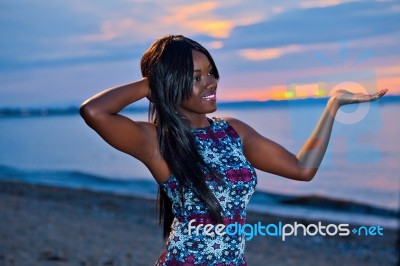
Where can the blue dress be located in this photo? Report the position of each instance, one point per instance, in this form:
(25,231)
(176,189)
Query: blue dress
(221,148)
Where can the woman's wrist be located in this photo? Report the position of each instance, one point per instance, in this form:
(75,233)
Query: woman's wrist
(333,105)
(138,89)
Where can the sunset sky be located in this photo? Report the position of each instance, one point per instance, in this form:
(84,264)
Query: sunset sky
(58,53)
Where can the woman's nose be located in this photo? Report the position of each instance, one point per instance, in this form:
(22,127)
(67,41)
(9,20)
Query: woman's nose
(211,83)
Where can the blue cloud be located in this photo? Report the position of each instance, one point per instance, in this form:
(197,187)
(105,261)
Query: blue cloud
(34,28)
(35,36)
(108,55)
(318,25)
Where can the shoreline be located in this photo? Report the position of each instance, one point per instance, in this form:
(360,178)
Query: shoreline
(43,225)
(307,206)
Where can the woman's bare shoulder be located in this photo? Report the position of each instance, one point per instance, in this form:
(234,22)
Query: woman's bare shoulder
(240,127)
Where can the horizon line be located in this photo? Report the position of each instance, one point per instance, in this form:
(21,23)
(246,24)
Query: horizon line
(69,109)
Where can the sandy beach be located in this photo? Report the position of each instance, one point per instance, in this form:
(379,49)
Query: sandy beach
(42,225)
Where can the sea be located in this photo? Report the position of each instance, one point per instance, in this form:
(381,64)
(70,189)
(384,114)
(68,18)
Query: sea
(358,181)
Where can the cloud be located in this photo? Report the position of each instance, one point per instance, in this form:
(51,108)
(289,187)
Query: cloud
(36,29)
(110,30)
(389,71)
(269,53)
(317,25)
(70,32)
(320,3)
(189,19)
(365,45)
(74,33)
(275,40)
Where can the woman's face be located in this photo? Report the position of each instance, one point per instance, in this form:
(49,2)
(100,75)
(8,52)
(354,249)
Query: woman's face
(203,99)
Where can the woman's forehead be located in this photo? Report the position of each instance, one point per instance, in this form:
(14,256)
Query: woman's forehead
(200,59)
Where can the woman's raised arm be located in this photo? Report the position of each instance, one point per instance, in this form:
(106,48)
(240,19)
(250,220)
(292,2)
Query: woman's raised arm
(271,157)
(100,112)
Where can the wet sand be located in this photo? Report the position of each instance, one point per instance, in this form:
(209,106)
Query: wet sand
(42,225)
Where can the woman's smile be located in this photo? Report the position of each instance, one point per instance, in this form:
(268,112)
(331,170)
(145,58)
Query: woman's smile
(210,96)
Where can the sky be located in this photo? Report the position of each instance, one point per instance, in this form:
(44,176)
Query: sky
(59,53)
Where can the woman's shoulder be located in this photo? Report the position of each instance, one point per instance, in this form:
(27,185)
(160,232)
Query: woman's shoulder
(233,121)
(239,126)
(230,120)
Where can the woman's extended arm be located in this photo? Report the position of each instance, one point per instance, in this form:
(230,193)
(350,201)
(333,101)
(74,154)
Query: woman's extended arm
(100,112)
(269,156)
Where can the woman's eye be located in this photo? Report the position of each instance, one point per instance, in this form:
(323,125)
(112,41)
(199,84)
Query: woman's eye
(196,79)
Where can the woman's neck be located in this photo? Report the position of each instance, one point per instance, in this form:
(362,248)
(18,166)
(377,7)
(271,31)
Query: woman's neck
(199,121)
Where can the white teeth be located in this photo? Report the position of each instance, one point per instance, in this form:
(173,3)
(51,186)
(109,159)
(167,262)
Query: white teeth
(211,96)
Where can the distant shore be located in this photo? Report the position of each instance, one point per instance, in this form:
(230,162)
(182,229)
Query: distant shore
(74,110)
(43,225)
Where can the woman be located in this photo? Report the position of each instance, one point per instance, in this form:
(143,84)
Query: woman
(204,167)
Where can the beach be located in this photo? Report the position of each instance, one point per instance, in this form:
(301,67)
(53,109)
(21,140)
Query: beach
(44,225)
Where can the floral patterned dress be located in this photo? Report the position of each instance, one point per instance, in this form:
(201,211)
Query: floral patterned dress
(221,148)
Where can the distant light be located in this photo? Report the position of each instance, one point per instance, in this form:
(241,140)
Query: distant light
(289,94)
(321,92)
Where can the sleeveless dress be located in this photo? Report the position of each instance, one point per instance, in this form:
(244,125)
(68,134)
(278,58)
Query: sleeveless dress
(221,148)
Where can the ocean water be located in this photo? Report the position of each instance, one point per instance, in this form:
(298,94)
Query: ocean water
(359,179)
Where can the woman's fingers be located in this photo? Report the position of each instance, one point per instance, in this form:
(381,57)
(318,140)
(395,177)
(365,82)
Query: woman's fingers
(378,95)
(359,97)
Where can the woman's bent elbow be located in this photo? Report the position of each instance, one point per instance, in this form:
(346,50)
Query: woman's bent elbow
(307,174)
(87,112)
(84,111)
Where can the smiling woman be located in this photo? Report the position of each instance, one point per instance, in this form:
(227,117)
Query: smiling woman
(205,168)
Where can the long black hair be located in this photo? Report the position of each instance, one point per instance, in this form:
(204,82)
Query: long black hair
(168,66)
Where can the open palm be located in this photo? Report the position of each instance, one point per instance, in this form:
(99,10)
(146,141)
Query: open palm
(346,97)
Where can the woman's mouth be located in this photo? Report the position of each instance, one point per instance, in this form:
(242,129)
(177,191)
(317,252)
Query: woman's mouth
(210,97)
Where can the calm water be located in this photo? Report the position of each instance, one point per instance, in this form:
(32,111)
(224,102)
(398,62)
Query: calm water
(361,165)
